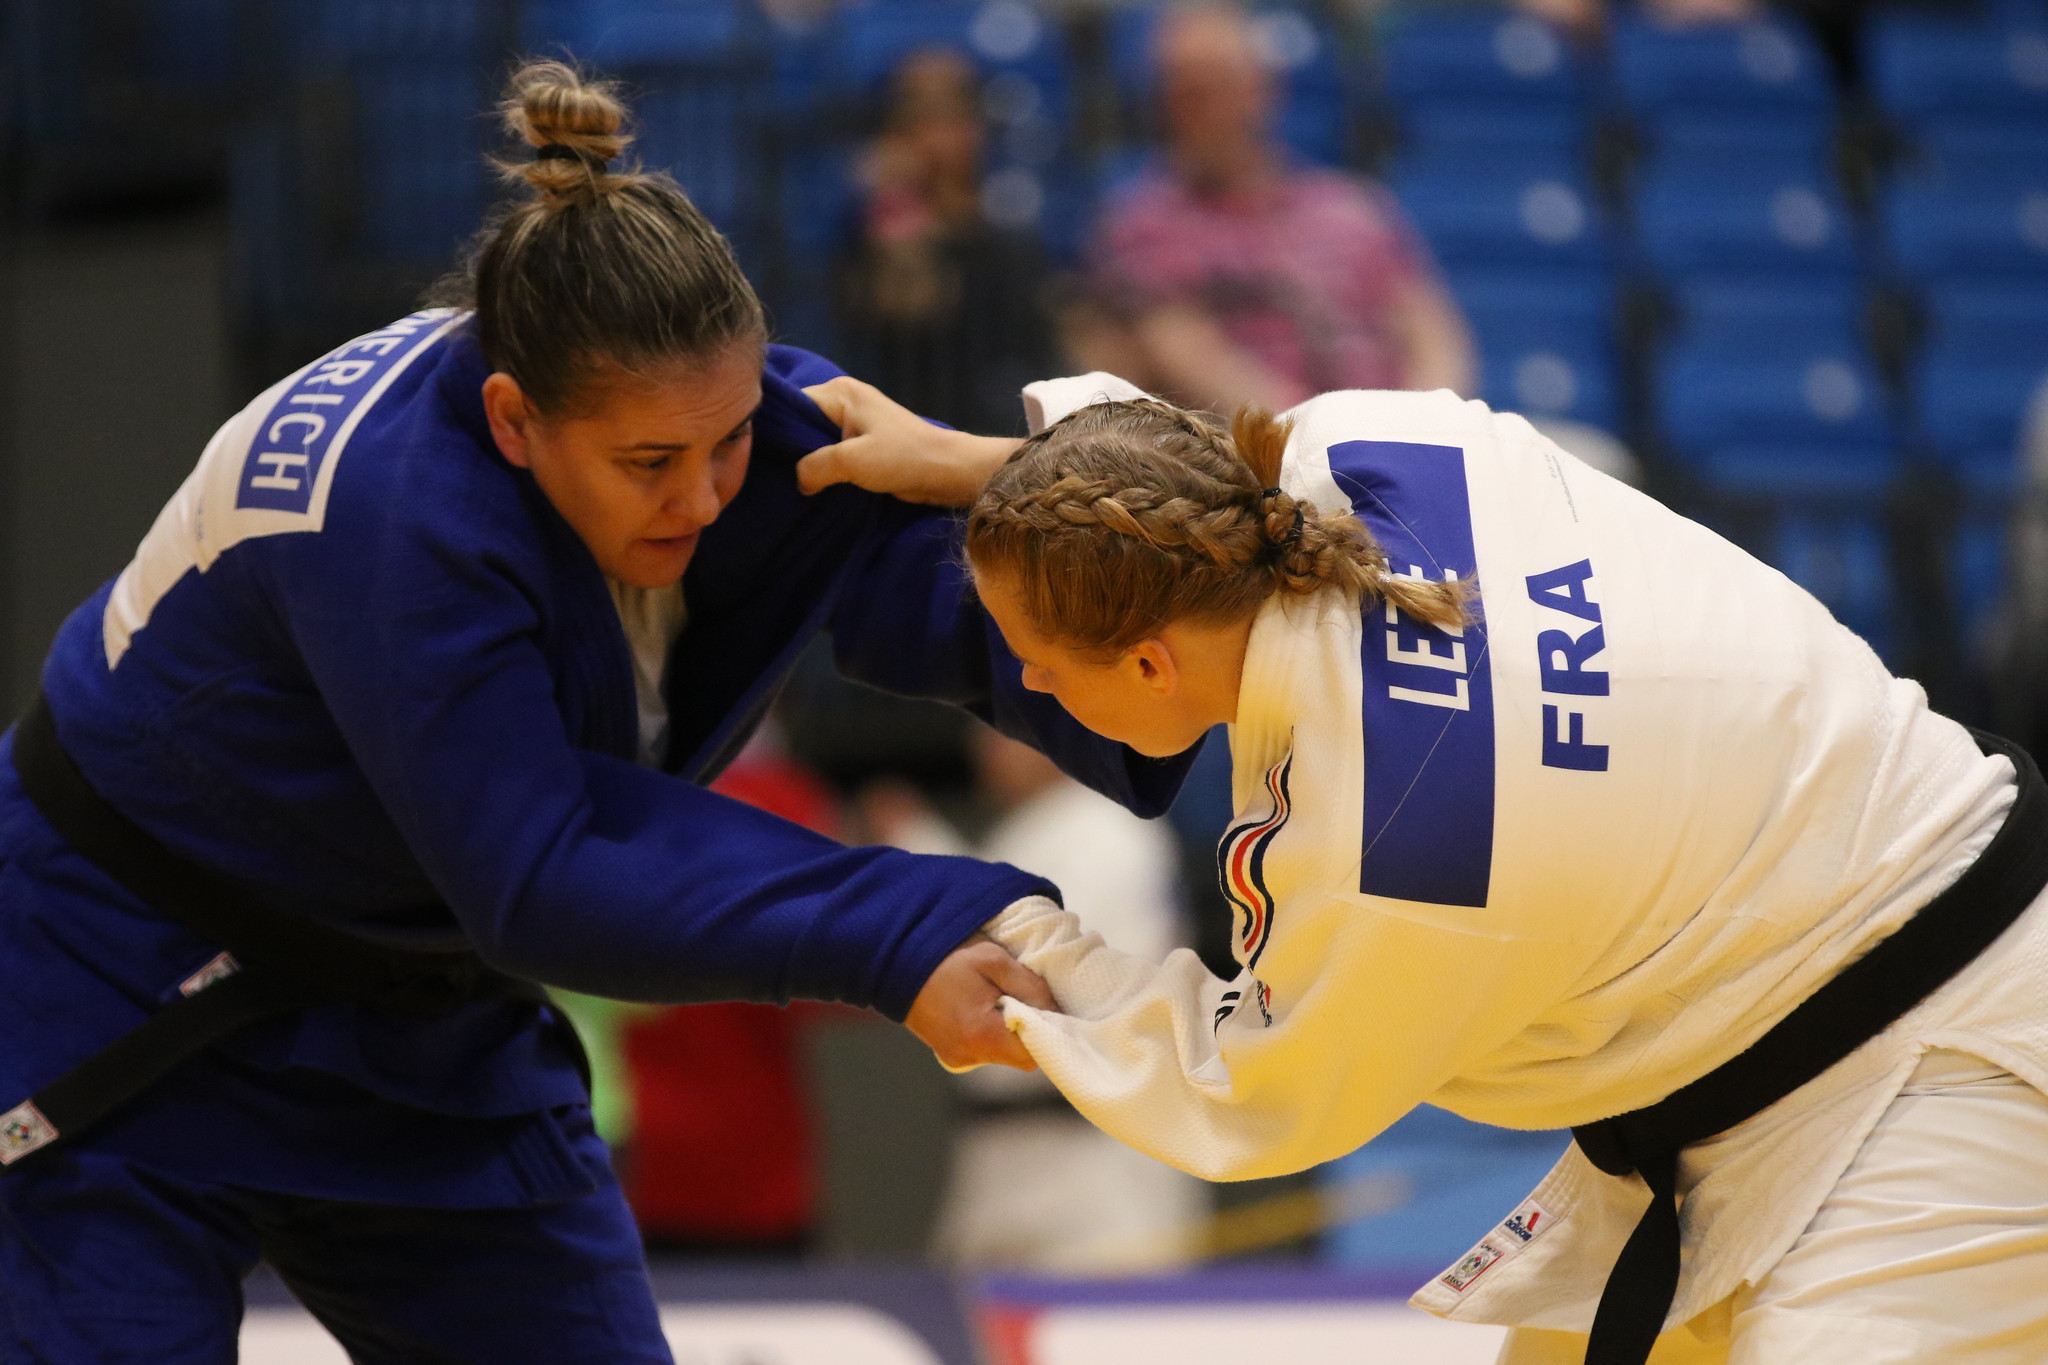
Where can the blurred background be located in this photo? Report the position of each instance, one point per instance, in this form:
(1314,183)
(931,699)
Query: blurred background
(1785,266)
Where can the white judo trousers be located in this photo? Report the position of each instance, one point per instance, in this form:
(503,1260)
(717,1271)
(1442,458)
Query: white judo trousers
(1550,868)
(1927,1241)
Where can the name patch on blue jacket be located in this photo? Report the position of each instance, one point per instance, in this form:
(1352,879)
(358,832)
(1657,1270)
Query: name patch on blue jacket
(1428,693)
(309,425)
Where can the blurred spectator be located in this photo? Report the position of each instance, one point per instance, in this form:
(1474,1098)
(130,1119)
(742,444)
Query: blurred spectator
(1034,1186)
(1686,13)
(938,306)
(1230,273)
(1584,20)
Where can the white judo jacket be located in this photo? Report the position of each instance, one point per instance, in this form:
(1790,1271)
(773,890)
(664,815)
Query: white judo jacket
(1538,872)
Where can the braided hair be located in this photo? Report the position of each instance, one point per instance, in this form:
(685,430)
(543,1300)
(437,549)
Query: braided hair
(1126,516)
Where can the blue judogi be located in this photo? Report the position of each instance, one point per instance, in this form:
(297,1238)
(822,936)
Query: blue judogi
(362,667)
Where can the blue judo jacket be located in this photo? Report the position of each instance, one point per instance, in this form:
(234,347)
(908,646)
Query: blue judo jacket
(362,666)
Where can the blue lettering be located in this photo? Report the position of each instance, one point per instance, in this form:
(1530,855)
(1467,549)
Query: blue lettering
(1571,677)
(304,431)
(1569,749)
(1565,590)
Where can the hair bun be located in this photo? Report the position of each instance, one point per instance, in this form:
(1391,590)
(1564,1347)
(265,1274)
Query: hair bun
(551,104)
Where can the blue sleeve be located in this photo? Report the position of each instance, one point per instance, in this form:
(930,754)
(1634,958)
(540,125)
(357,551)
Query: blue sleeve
(573,867)
(906,620)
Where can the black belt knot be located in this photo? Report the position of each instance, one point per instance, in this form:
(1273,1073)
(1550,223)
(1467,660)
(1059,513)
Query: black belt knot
(1605,1145)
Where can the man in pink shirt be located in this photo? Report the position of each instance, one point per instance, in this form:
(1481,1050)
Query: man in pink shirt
(1232,274)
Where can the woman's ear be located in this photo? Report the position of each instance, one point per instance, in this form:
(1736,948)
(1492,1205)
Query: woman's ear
(510,416)
(1157,669)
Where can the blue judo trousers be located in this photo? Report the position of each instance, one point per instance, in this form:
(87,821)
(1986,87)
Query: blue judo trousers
(362,668)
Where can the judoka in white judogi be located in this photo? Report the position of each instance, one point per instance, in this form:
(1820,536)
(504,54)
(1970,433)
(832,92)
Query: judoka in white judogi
(1545,870)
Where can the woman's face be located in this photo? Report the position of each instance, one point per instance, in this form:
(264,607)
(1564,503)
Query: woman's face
(643,467)
(1138,699)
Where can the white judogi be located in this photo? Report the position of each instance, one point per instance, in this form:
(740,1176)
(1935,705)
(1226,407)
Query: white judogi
(1547,870)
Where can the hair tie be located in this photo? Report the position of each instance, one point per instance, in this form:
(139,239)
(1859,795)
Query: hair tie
(561,151)
(1292,537)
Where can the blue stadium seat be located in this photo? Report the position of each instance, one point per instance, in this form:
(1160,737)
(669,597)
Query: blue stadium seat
(1487,138)
(1818,513)
(1970,407)
(1977,572)
(1751,66)
(1985,361)
(1545,340)
(1018,45)
(1573,298)
(1721,146)
(1939,230)
(406,29)
(1980,152)
(1920,65)
(1541,217)
(1717,395)
(1498,58)
(419,151)
(1770,315)
(616,35)
(710,135)
(1990,318)
(1539,379)
(1841,553)
(1775,221)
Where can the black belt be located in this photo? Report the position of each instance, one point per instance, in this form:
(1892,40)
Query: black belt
(276,962)
(1866,998)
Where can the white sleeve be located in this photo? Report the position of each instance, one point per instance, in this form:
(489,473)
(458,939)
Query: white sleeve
(1048,400)
(1370,1014)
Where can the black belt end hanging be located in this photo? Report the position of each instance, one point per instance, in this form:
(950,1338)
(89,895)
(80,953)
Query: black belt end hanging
(277,962)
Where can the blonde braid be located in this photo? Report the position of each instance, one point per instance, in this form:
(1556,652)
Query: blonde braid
(1127,515)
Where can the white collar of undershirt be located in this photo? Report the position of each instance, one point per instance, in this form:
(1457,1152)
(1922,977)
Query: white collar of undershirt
(652,618)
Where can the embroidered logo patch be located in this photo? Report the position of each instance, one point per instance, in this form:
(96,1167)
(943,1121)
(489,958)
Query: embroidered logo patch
(1525,1222)
(23,1129)
(1475,1264)
(219,969)
(1516,1231)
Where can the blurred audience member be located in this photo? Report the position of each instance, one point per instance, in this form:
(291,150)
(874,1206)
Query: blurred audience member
(1229,273)
(1687,13)
(938,305)
(1584,20)
(1034,1186)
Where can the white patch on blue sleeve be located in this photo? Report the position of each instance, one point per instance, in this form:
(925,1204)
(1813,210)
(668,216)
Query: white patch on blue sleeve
(267,472)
